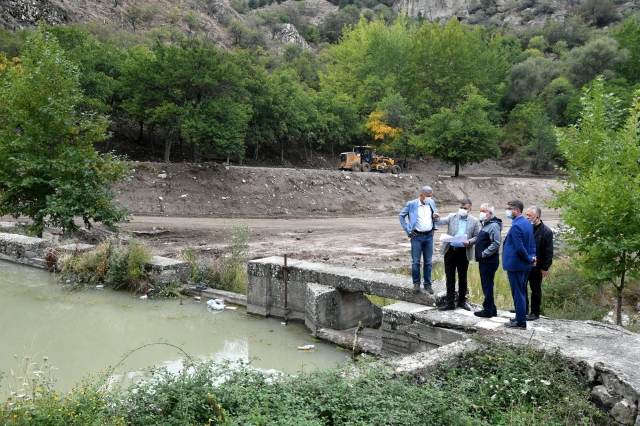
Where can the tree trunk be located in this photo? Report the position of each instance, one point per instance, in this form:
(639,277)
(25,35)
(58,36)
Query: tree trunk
(619,308)
(457,170)
(140,132)
(193,153)
(240,161)
(153,151)
(167,149)
(255,153)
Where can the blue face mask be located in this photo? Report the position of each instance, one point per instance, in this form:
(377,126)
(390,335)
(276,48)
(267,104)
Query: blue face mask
(509,214)
(463,212)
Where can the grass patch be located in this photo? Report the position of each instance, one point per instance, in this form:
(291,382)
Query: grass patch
(492,385)
(380,301)
(229,270)
(118,264)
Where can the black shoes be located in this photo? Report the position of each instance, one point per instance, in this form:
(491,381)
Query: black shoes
(447,308)
(513,311)
(464,306)
(533,317)
(428,289)
(517,325)
(416,288)
(483,314)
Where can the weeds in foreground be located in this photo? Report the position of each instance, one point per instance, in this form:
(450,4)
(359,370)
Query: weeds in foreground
(227,272)
(492,385)
(121,265)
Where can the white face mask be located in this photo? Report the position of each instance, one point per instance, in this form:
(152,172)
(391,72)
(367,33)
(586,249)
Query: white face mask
(482,216)
(463,212)
(426,200)
(509,214)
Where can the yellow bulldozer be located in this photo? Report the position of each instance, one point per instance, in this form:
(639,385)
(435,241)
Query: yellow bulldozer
(364,158)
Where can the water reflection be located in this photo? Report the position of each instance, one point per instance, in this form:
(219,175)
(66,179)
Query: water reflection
(89,331)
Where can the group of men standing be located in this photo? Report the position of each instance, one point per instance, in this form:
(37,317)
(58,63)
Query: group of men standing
(526,256)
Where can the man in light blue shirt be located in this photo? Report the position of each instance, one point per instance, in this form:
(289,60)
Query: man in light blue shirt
(421,213)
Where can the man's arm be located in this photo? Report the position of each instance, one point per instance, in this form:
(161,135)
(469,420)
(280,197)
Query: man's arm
(474,234)
(546,249)
(443,220)
(518,241)
(401,217)
(495,237)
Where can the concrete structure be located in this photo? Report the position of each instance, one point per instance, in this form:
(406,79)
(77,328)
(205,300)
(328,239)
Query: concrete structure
(22,249)
(43,253)
(320,294)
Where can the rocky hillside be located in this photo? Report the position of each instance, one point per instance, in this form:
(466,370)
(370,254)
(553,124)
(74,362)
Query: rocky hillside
(212,18)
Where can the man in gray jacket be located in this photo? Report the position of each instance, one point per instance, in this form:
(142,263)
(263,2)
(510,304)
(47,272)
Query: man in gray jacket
(458,254)
(488,257)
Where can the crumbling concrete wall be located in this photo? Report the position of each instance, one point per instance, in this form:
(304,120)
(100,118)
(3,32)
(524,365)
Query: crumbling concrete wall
(22,249)
(327,307)
(33,251)
(338,303)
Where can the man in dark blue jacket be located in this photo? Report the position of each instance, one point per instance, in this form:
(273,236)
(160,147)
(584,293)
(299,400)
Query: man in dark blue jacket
(518,256)
(488,257)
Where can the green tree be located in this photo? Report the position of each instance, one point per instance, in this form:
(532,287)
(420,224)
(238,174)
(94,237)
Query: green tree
(99,65)
(444,60)
(601,199)
(529,78)
(628,36)
(538,133)
(133,14)
(461,135)
(598,56)
(50,171)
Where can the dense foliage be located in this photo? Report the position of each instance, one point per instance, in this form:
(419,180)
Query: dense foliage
(492,385)
(602,153)
(397,83)
(50,171)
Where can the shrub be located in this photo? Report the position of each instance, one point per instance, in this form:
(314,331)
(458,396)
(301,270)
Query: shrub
(567,295)
(228,271)
(492,385)
(113,262)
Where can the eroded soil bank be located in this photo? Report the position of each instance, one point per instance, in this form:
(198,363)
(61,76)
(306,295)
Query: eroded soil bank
(345,218)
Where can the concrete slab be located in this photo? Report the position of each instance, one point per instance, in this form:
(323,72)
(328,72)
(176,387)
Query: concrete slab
(384,284)
(164,270)
(22,249)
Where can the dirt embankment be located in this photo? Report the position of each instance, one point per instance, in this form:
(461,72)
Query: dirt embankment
(216,190)
(344,218)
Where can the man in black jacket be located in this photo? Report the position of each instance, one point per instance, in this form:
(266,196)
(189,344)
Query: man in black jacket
(544,257)
(488,257)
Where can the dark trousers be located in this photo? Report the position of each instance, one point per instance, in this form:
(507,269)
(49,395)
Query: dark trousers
(535,283)
(487,275)
(518,283)
(455,259)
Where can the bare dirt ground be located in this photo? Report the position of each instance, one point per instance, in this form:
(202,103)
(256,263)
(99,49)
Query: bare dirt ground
(343,218)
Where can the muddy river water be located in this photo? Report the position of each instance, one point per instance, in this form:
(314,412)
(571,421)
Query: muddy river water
(87,331)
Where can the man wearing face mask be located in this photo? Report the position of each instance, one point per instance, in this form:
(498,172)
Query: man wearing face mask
(518,256)
(422,213)
(543,237)
(487,249)
(457,255)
